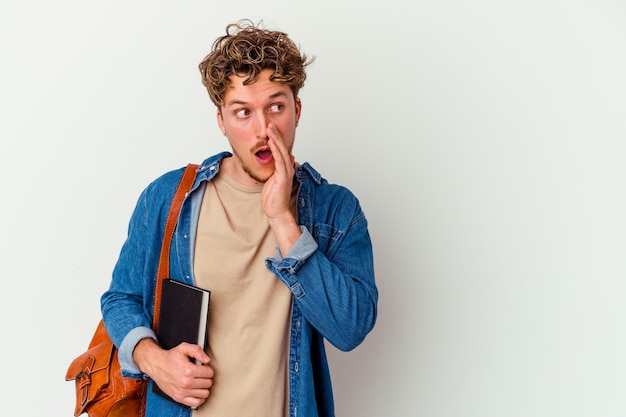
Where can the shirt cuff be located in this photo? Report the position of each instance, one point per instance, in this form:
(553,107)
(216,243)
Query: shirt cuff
(125,353)
(302,249)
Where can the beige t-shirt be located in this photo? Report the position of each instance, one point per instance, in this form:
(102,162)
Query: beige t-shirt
(248,331)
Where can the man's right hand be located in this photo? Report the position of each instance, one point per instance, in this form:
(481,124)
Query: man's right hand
(183,372)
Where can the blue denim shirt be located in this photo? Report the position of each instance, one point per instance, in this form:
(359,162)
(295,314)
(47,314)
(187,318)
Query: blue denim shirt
(329,271)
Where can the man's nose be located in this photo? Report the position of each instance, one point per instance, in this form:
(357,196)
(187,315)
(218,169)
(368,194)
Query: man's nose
(260,126)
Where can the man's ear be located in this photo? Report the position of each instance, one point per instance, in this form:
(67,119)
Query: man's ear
(220,122)
(298,110)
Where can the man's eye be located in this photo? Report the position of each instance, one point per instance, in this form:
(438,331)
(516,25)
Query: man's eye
(276,107)
(242,113)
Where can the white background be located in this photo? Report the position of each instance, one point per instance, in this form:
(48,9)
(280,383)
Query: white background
(485,140)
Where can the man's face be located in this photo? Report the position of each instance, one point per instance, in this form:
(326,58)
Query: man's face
(244,118)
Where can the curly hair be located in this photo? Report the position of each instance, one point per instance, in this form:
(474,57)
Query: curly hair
(248,49)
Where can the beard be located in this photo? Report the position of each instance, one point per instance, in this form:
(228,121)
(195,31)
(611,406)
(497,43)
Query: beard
(256,176)
(248,170)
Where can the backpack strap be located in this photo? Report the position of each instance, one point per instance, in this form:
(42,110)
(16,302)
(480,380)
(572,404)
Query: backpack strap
(186,182)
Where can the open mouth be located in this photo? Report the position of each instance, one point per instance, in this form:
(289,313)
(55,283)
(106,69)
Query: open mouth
(264,155)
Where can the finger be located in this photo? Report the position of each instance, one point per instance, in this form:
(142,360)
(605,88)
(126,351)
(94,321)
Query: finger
(279,142)
(194,402)
(277,154)
(200,387)
(283,160)
(273,133)
(194,352)
(197,396)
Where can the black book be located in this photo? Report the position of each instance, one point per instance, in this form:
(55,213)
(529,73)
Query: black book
(183,318)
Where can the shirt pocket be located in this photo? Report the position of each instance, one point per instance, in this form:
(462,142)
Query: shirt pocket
(326,237)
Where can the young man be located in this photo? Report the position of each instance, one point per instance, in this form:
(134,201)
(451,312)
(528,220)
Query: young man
(286,255)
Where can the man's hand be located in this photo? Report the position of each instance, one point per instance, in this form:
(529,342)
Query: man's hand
(276,193)
(182,373)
